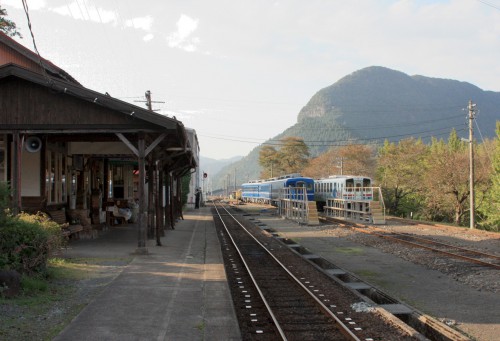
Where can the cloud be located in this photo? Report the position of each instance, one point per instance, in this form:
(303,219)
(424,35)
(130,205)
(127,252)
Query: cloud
(182,37)
(148,37)
(143,23)
(33,4)
(86,11)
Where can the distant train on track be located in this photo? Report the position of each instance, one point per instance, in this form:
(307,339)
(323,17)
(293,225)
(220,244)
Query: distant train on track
(345,187)
(268,191)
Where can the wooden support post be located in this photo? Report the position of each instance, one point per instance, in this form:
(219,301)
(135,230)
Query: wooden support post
(159,230)
(171,202)
(179,198)
(16,174)
(142,233)
(151,198)
(161,201)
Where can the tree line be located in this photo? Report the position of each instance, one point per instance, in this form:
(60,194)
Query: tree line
(428,181)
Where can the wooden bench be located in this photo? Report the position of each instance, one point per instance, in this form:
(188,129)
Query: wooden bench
(67,230)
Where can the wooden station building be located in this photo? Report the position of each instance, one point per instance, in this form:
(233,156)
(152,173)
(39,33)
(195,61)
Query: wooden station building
(66,147)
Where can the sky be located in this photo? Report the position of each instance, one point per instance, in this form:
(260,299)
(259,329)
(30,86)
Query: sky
(238,72)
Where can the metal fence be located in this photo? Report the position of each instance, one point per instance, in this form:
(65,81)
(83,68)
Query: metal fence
(363,204)
(293,204)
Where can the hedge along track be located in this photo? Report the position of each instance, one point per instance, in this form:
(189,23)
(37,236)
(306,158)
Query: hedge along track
(298,313)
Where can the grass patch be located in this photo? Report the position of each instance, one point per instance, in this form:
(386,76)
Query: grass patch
(48,303)
(349,250)
(372,277)
(201,326)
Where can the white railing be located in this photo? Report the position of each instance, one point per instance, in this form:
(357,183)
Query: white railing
(293,204)
(357,193)
(356,204)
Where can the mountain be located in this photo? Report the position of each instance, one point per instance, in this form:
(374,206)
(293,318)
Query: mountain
(378,103)
(212,166)
(374,104)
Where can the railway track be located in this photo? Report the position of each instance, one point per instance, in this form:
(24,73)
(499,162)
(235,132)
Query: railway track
(468,255)
(280,300)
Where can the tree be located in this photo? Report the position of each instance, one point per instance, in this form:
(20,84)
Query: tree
(322,166)
(354,160)
(400,170)
(491,209)
(292,157)
(269,160)
(294,154)
(7,26)
(357,159)
(446,180)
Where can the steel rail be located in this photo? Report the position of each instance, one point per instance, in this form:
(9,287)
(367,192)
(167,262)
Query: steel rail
(430,241)
(394,236)
(399,238)
(261,294)
(343,328)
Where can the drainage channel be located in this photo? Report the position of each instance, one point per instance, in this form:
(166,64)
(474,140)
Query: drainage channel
(374,297)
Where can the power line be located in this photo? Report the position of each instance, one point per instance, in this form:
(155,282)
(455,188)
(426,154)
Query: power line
(40,59)
(375,140)
(489,4)
(371,127)
(80,9)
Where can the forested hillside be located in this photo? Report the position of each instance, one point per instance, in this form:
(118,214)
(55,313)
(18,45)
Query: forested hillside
(375,104)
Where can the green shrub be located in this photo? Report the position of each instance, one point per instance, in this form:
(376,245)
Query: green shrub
(4,201)
(27,241)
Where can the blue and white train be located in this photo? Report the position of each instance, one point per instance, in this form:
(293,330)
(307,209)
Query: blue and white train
(345,187)
(268,191)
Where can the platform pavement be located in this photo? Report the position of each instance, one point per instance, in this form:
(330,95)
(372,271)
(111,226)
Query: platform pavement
(176,292)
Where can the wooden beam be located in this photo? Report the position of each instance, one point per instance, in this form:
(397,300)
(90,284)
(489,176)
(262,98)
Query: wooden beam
(129,144)
(155,143)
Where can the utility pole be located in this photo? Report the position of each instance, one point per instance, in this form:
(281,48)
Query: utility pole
(341,162)
(149,102)
(472,112)
(235,181)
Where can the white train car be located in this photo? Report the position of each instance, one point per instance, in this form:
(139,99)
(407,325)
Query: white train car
(345,187)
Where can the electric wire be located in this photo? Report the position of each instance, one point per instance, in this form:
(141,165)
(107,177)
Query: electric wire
(398,125)
(86,9)
(489,4)
(98,14)
(490,158)
(70,11)
(40,59)
(250,139)
(80,9)
(339,143)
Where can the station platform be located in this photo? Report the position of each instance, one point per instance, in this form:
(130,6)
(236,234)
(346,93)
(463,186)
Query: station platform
(178,291)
